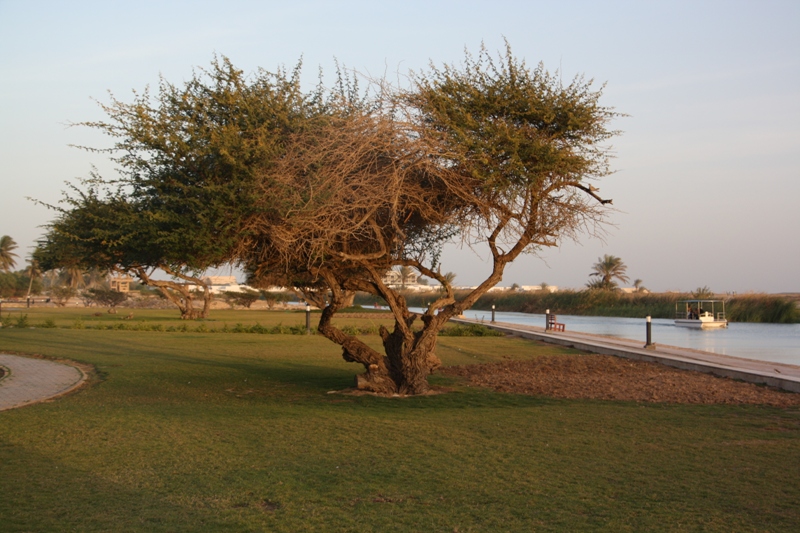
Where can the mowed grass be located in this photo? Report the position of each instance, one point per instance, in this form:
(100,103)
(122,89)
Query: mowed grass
(185,431)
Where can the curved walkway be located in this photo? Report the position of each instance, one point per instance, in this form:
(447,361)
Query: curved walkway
(28,380)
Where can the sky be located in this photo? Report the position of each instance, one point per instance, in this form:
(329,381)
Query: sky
(706,179)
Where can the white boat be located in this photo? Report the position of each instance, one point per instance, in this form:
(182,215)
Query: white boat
(696,314)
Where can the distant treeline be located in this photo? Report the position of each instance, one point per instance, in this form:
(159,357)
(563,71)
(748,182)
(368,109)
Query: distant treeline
(764,308)
(16,285)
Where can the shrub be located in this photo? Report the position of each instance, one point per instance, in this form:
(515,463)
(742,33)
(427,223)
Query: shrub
(470,330)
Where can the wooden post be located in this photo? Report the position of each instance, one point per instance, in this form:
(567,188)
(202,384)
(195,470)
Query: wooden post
(649,344)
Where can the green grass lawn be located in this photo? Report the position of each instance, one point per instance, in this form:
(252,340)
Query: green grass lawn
(187,431)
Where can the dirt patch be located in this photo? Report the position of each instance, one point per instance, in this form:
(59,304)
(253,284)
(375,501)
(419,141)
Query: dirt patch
(604,377)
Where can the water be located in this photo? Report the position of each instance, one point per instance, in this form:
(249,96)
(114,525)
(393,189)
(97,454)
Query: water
(779,343)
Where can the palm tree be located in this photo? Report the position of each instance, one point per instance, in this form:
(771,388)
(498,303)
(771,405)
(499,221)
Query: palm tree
(637,284)
(33,272)
(702,293)
(405,274)
(607,269)
(73,277)
(449,278)
(7,261)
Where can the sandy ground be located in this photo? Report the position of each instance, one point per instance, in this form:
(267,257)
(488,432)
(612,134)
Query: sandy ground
(604,377)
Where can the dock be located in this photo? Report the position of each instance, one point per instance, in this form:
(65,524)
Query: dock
(777,375)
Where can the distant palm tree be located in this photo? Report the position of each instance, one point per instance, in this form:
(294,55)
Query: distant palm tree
(7,261)
(72,277)
(702,293)
(33,272)
(607,269)
(405,275)
(449,278)
(637,284)
(96,278)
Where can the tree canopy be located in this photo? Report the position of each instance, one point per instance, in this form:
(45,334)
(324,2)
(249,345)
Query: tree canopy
(327,190)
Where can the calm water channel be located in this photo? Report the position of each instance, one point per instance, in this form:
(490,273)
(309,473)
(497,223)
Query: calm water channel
(767,342)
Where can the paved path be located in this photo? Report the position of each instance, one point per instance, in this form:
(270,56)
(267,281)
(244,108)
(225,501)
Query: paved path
(30,380)
(777,375)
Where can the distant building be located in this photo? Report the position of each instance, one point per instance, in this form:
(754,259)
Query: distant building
(631,290)
(532,288)
(120,283)
(394,278)
(221,284)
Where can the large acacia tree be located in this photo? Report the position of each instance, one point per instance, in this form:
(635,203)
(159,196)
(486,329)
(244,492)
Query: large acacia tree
(337,188)
(491,151)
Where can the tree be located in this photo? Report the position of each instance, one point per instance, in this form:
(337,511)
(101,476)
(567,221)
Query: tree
(606,270)
(7,247)
(449,278)
(491,151)
(326,191)
(188,157)
(61,295)
(271,298)
(405,274)
(34,273)
(115,234)
(702,293)
(637,284)
(244,298)
(106,297)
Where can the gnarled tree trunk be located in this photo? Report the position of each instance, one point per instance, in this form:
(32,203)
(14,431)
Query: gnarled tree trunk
(179,294)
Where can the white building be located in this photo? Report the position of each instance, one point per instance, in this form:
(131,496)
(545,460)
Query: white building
(221,284)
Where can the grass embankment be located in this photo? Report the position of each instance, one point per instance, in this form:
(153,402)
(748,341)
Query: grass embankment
(221,321)
(765,308)
(188,431)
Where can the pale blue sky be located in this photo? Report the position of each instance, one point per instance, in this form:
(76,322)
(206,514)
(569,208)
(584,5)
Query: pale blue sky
(708,166)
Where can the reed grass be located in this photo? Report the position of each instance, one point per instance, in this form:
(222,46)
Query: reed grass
(767,308)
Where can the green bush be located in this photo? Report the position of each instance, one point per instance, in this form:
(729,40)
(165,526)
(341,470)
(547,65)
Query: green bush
(22,322)
(470,330)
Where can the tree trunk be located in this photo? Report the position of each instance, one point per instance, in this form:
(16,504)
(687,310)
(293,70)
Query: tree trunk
(178,293)
(412,358)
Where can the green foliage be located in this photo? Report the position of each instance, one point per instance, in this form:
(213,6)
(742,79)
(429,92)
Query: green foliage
(15,285)
(244,298)
(186,154)
(762,308)
(605,271)
(22,322)
(60,295)
(470,330)
(702,293)
(510,126)
(7,255)
(106,297)
(273,298)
